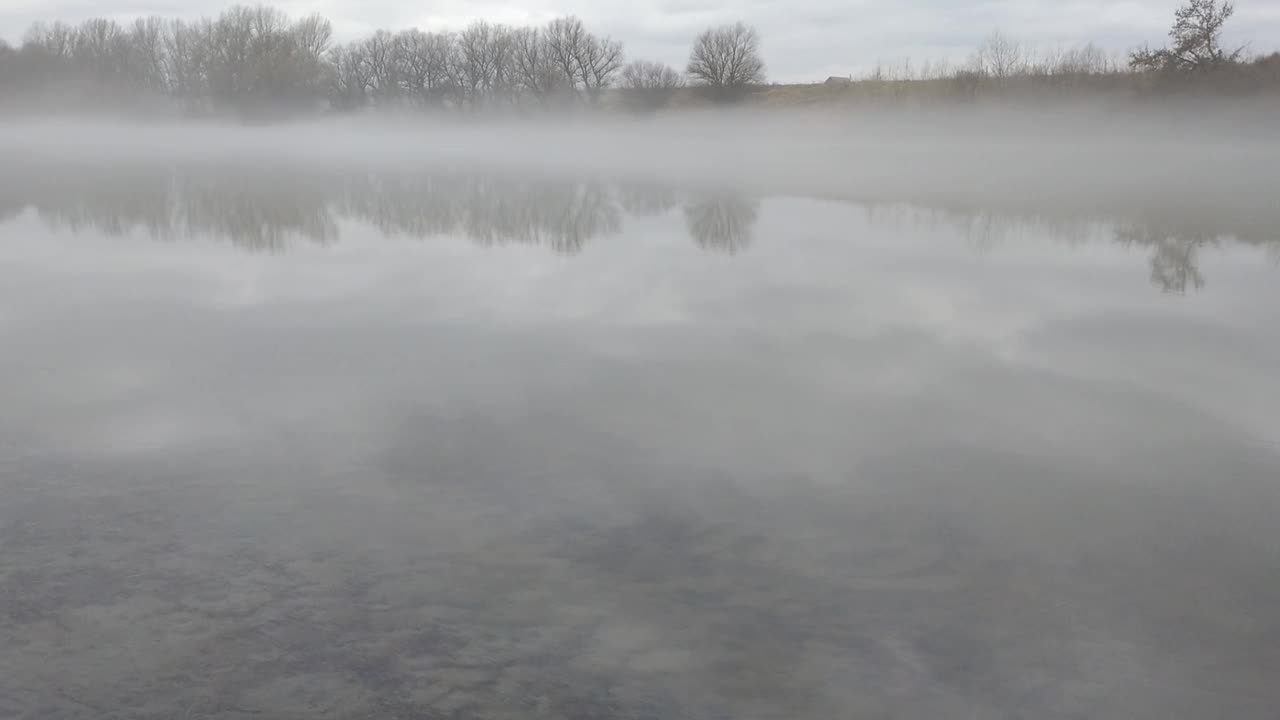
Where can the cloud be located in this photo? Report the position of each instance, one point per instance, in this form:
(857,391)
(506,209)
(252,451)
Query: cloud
(803,40)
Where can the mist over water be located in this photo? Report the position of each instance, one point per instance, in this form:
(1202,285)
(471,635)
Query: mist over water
(964,414)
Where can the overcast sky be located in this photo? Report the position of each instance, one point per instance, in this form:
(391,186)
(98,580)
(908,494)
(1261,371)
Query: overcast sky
(803,39)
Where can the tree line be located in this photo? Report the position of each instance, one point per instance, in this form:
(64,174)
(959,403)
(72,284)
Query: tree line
(259,58)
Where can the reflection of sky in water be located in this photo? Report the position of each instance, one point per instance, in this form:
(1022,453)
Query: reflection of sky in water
(882,461)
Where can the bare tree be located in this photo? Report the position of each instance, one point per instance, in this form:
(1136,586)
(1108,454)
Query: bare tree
(229,63)
(566,38)
(647,75)
(1088,59)
(145,62)
(477,57)
(379,52)
(100,47)
(277,73)
(534,65)
(58,39)
(648,85)
(311,38)
(1197,40)
(414,65)
(442,54)
(501,57)
(727,59)
(186,60)
(425,65)
(999,56)
(599,62)
(313,34)
(351,76)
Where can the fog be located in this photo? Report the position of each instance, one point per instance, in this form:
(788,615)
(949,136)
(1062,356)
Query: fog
(1173,175)
(964,411)
(1225,146)
(1106,159)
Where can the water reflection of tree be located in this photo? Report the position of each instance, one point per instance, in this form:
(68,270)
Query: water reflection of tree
(416,205)
(561,215)
(259,210)
(722,223)
(109,203)
(13,188)
(1173,234)
(1174,252)
(489,210)
(645,199)
(233,208)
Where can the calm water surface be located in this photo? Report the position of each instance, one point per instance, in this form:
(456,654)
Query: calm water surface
(437,445)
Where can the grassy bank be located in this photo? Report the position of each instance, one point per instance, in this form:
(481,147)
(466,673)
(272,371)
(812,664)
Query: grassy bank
(1258,77)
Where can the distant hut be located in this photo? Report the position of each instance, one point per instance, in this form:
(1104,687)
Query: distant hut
(838,81)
